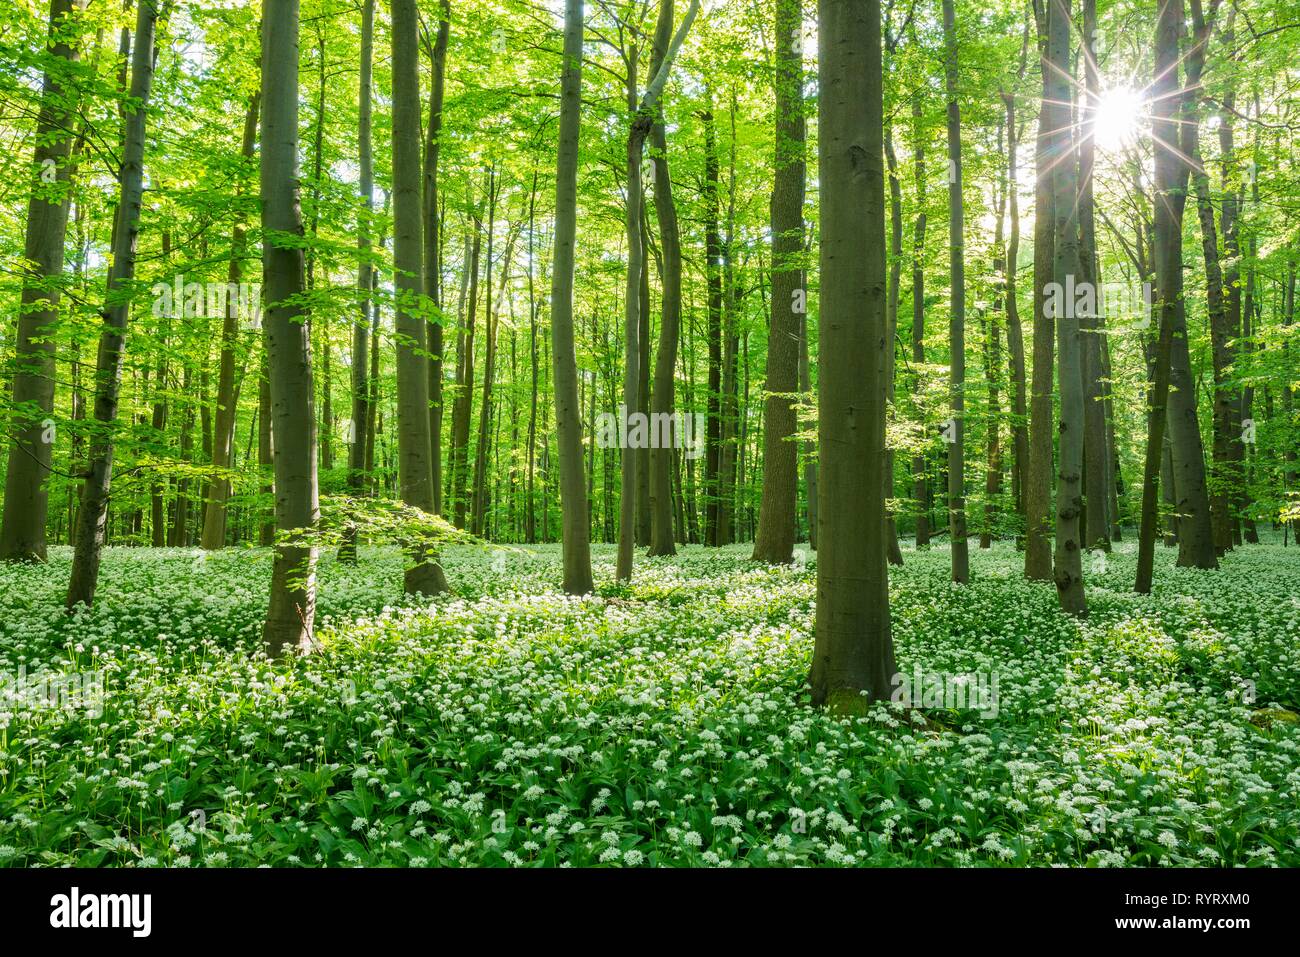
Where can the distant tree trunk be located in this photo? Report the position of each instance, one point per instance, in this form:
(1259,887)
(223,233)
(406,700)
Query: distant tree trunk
(774,541)
(894,552)
(415,471)
(713,334)
(360,430)
(176,537)
(265,445)
(462,404)
(568,414)
(641,456)
(809,454)
(1015,336)
(433,246)
(214,517)
(31,449)
(290,616)
(853,655)
(920,482)
(1038,479)
(956,433)
(93,517)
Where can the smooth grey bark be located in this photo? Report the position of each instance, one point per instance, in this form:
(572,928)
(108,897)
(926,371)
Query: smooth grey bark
(1067,559)
(291,613)
(777,525)
(641,120)
(365,280)
(853,656)
(213,536)
(568,413)
(92,520)
(26,500)
(1096,456)
(956,438)
(433,247)
(415,472)
(663,399)
(1038,478)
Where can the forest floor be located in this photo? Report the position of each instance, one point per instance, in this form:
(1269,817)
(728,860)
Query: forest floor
(656,724)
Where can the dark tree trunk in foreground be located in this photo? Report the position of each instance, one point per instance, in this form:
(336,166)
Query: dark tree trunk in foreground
(853,655)
(26,500)
(92,520)
(291,614)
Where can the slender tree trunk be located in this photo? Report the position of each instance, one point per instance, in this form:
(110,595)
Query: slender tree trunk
(662,402)
(433,248)
(92,520)
(1015,335)
(568,415)
(642,119)
(1038,480)
(214,517)
(920,482)
(1068,558)
(774,541)
(894,552)
(360,430)
(853,656)
(956,432)
(290,616)
(1096,454)
(415,471)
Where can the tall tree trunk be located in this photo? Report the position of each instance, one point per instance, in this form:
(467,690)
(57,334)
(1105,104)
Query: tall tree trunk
(1038,479)
(777,525)
(117,306)
(415,471)
(853,655)
(365,279)
(956,432)
(568,414)
(642,118)
(893,550)
(433,247)
(663,399)
(26,499)
(463,402)
(1172,363)
(1068,557)
(920,481)
(290,616)
(1015,335)
(214,517)
(1096,451)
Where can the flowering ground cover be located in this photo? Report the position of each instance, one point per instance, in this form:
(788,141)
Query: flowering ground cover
(659,723)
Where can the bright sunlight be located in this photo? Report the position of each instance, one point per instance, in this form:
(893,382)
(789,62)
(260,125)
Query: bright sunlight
(1118,118)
